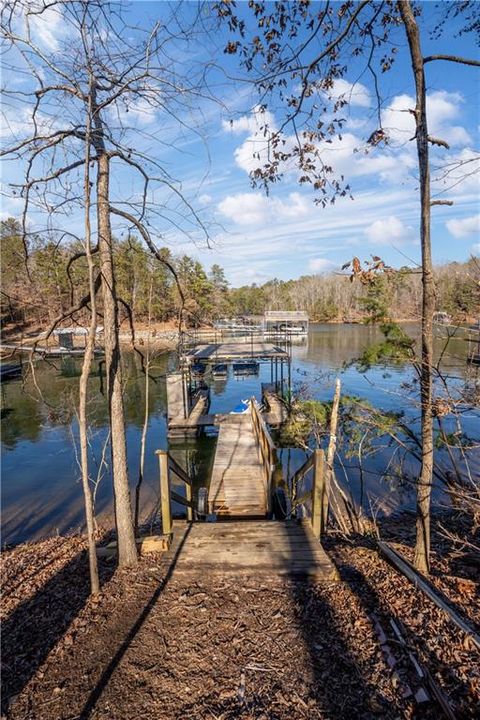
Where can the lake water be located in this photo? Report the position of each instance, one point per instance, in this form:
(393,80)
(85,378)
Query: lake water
(41,489)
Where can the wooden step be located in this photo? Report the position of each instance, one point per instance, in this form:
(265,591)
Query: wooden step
(255,547)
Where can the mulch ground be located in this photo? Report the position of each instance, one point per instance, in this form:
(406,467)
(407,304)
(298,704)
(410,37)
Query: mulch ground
(156,645)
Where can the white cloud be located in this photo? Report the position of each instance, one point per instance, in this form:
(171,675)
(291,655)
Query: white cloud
(245,208)
(205,199)
(250,124)
(319,265)
(442,108)
(46,28)
(255,208)
(457,174)
(390,231)
(463,227)
(139,110)
(475,249)
(242,125)
(355,94)
(253,152)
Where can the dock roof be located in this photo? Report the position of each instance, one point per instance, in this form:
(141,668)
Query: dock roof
(225,352)
(286,315)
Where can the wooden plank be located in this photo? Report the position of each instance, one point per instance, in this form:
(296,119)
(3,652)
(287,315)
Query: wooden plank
(176,400)
(265,547)
(218,352)
(178,470)
(180,499)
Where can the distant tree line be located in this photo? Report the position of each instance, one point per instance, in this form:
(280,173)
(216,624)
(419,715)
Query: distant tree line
(53,282)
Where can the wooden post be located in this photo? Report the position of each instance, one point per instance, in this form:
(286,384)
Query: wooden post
(165,506)
(188,495)
(319,497)
(186,408)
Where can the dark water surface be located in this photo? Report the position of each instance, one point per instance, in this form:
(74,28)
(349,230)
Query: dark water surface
(41,489)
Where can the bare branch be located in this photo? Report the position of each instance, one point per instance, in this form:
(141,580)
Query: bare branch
(452,58)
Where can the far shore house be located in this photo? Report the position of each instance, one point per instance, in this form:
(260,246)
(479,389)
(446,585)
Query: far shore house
(289,321)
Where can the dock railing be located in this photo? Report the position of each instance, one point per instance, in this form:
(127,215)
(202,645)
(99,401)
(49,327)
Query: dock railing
(318,494)
(168,465)
(266,445)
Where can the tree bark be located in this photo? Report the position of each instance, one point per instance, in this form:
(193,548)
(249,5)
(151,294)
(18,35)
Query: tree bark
(127,552)
(424,487)
(83,384)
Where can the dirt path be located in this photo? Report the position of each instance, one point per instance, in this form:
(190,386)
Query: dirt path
(166,646)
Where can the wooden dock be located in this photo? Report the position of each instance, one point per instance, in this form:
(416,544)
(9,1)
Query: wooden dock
(226,352)
(185,415)
(240,489)
(258,548)
(238,485)
(276,414)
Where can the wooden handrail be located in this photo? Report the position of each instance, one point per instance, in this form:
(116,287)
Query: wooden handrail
(167,464)
(301,472)
(266,445)
(180,499)
(178,470)
(318,493)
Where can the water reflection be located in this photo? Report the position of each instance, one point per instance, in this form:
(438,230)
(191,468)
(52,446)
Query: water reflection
(41,490)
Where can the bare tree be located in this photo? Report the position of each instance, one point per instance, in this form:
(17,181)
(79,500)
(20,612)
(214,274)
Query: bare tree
(297,52)
(106,71)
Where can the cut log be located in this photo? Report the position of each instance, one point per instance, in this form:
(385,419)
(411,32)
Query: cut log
(146,544)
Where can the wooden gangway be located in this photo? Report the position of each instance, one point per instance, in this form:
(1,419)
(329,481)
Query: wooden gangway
(240,489)
(243,466)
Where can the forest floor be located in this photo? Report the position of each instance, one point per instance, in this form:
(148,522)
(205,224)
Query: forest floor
(155,644)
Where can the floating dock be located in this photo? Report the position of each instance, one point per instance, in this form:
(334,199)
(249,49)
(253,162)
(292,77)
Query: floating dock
(188,396)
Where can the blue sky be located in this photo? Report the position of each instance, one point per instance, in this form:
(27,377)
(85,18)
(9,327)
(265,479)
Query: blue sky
(285,235)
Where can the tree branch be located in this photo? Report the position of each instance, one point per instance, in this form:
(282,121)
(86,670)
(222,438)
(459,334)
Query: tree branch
(452,58)
(438,141)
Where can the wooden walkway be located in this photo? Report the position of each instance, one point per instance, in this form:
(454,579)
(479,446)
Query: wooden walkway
(277,412)
(255,548)
(177,399)
(184,420)
(237,486)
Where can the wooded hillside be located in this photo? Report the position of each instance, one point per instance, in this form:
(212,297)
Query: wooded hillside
(57,276)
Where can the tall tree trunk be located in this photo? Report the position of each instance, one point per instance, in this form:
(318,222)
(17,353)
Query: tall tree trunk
(146,410)
(83,384)
(424,488)
(127,552)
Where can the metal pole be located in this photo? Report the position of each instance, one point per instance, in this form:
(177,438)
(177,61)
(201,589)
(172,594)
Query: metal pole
(289,382)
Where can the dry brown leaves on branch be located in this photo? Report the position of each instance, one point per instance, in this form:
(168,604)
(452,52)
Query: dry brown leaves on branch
(368,274)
